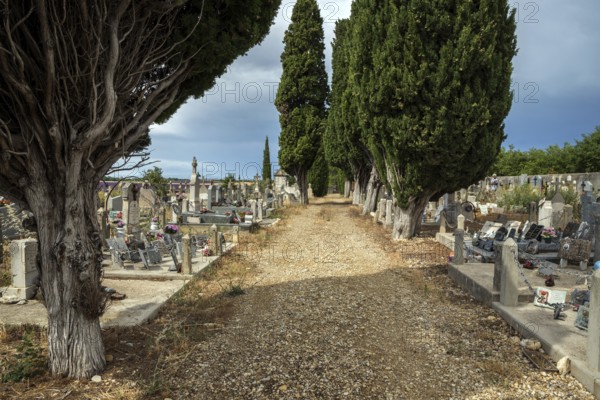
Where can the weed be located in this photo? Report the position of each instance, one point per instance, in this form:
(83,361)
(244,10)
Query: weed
(29,360)
(235,290)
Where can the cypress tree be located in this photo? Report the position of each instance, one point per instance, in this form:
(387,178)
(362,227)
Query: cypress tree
(266,172)
(344,147)
(302,93)
(318,175)
(434,104)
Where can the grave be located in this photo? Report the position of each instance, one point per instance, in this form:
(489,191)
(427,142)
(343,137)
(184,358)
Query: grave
(131,210)
(23,269)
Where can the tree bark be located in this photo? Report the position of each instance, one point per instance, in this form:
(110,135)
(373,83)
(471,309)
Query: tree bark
(347,186)
(301,176)
(70,259)
(373,187)
(407,221)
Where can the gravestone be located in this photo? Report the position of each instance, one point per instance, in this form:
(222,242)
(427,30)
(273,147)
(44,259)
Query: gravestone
(558,206)
(533,211)
(185,206)
(186,263)
(310,192)
(210,196)
(259,215)
(567,215)
(24,270)
(115,203)
(545,214)
(131,210)
(203,196)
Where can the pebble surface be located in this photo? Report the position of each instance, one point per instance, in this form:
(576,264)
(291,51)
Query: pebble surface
(337,311)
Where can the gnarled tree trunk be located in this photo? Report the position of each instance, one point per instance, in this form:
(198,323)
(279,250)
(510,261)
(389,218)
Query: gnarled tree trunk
(373,187)
(407,221)
(70,259)
(347,186)
(301,176)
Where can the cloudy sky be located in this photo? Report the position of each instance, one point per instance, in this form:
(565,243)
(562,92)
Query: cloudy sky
(555,79)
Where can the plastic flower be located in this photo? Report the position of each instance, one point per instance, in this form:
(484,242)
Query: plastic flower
(171,229)
(120,224)
(154,219)
(549,232)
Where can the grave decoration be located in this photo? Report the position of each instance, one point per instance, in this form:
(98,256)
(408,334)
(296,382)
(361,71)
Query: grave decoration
(548,234)
(171,229)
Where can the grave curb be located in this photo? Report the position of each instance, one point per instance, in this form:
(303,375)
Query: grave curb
(152,311)
(579,368)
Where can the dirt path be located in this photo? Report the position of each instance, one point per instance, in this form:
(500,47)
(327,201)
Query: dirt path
(336,312)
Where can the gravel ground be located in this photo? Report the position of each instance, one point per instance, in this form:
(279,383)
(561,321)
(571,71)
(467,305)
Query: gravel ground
(336,311)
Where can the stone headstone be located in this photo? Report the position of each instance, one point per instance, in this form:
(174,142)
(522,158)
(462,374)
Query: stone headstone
(558,206)
(131,209)
(310,192)
(24,270)
(210,196)
(545,214)
(186,259)
(259,215)
(115,203)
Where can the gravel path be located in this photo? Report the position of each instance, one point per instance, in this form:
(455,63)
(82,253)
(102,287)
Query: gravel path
(335,312)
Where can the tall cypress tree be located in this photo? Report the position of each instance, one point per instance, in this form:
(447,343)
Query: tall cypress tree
(302,92)
(434,105)
(344,146)
(318,174)
(266,172)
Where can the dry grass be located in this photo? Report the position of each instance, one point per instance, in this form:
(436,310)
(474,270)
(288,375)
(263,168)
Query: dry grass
(141,359)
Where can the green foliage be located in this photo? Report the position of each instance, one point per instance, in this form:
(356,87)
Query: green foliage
(337,179)
(341,139)
(584,156)
(229,178)
(29,360)
(570,195)
(433,82)
(227,30)
(318,175)
(266,171)
(587,152)
(302,91)
(159,183)
(519,197)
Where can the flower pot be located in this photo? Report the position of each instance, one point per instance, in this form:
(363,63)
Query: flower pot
(547,240)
